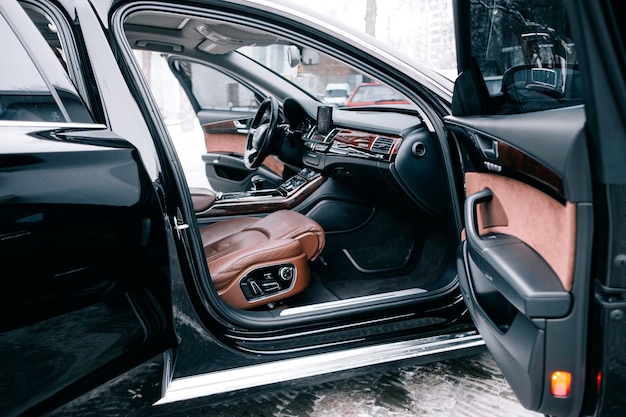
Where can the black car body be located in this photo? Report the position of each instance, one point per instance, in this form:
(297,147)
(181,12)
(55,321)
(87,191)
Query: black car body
(472,216)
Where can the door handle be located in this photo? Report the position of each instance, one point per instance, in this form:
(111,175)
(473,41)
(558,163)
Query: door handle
(242,127)
(471,215)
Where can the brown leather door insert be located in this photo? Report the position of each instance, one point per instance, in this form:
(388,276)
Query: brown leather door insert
(532,216)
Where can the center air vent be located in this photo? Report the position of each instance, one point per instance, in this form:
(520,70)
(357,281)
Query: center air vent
(382,145)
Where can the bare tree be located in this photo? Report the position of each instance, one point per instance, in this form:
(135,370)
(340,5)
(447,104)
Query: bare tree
(370,18)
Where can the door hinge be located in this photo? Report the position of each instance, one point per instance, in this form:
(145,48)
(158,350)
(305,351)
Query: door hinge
(611,299)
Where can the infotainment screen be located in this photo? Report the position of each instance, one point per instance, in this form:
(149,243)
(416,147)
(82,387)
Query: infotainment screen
(324,119)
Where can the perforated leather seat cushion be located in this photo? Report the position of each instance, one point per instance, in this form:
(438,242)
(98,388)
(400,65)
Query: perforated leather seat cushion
(233,246)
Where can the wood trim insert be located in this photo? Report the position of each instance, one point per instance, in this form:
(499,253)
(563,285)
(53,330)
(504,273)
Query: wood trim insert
(515,159)
(383,145)
(262,204)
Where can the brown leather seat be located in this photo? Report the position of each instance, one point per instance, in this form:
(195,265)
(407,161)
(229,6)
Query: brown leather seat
(254,261)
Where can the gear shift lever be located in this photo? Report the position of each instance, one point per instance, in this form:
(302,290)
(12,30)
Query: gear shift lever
(257,182)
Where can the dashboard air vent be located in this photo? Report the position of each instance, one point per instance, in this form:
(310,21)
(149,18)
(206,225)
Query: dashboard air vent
(382,145)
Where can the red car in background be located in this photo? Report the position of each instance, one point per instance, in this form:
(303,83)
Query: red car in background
(367,94)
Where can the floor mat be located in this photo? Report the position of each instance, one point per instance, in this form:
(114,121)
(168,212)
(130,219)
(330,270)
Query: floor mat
(425,272)
(395,252)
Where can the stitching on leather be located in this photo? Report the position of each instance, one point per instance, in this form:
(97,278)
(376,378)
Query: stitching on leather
(241,260)
(225,248)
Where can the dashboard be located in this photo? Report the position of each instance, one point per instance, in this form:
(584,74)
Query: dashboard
(366,133)
(382,151)
(383,154)
(351,142)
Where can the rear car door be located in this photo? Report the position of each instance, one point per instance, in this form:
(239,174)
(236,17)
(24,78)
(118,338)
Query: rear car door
(224,107)
(86,298)
(535,230)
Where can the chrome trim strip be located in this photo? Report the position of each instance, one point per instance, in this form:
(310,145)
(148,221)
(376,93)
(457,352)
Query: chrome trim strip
(51,125)
(183,23)
(351,302)
(291,369)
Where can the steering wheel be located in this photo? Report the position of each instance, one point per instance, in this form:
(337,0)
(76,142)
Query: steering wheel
(261,134)
(548,91)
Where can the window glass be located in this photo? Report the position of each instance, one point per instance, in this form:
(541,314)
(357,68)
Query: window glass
(216,91)
(24,94)
(374,93)
(525,53)
(420,29)
(318,74)
(66,82)
(323,76)
(48,29)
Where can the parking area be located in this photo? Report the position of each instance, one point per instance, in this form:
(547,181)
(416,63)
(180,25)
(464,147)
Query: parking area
(465,387)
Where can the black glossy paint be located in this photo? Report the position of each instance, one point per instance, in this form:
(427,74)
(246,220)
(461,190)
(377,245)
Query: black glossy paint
(80,235)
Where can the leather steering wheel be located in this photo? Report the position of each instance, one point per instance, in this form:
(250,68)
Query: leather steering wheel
(261,134)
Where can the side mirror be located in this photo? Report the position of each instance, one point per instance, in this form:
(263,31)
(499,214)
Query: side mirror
(293,56)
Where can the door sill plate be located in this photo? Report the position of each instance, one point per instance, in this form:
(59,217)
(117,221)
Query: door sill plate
(219,382)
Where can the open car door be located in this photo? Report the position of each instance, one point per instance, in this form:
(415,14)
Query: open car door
(87,303)
(525,259)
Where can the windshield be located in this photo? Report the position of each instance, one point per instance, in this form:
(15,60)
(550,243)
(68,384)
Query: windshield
(375,93)
(321,76)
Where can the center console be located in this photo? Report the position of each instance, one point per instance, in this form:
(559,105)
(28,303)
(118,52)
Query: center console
(285,196)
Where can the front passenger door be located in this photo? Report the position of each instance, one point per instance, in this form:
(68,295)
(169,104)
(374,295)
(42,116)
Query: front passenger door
(224,108)
(524,263)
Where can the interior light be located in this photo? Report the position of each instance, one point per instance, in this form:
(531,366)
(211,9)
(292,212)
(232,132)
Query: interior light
(560,383)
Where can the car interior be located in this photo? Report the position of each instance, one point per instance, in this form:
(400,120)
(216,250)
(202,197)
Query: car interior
(361,214)
(358,212)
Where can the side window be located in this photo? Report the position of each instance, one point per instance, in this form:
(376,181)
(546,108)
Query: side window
(216,91)
(48,29)
(24,95)
(526,55)
(206,112)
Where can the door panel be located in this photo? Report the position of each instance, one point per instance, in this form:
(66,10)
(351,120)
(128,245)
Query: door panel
(516,271)
(228,173)
(525,255)
(225,142)
(550,231)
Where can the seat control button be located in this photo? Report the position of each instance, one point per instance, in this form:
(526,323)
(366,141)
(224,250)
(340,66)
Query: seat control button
(286,273)
(271,286)
(254,287)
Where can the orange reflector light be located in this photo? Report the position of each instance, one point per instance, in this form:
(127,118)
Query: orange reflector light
(561,382)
